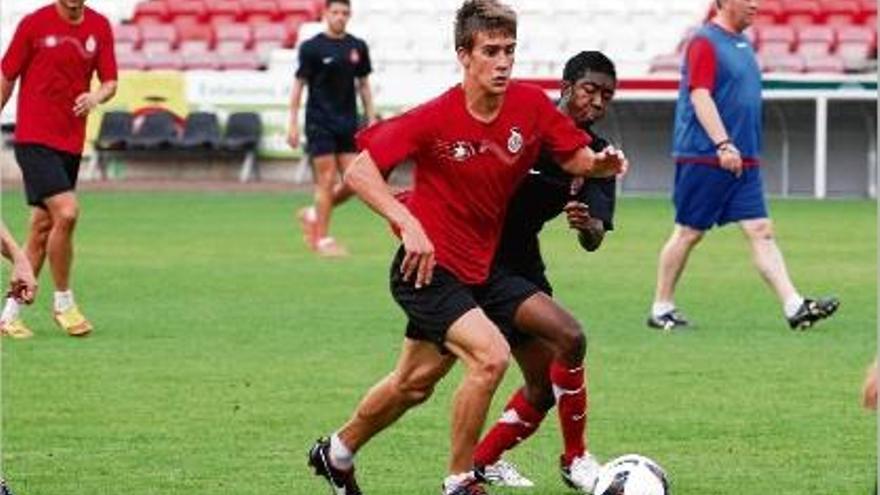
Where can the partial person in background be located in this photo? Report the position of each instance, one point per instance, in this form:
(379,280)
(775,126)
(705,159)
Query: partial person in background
(869,390)
(551,353)
(717,147)
(334,65)
(55,52)
(22,282)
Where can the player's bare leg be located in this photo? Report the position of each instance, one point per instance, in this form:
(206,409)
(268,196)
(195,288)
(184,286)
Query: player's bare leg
(325,180)
(64,211)
(673,258)
(11,322)
(481,348)
(767,258)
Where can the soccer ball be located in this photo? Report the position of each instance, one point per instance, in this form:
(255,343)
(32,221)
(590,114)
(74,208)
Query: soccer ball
(631,474)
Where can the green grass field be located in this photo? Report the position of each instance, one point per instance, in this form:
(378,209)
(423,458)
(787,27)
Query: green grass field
(223,349)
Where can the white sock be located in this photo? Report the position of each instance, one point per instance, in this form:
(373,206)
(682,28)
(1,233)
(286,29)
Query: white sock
(661,308)
(792,305)
(453,481)
(340,455)
(10,310)
(63,300)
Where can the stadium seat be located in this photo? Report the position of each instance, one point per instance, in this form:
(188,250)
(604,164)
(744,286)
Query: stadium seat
(195,38)
(243,132)
(815,40)
(255,11)
(187,12)
(802,12)
(241,61)
(202,61)
(232,37)
(788,63)
(841,12)
(115,131)
(165,61)
(770,12)
(868,16)
(154,12)
(158,38)
(828,64)
(201,131)
(774,40)
(223,12)
(856,42)
(158,131)
(268,37)
(127,37)
(131,60)
(305,9)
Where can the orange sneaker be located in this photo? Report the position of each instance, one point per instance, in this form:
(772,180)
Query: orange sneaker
(73,322)
(308,220)
(15,329)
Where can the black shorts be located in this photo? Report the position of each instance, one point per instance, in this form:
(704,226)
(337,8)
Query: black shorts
(432,309)
(321,140)
(46,171)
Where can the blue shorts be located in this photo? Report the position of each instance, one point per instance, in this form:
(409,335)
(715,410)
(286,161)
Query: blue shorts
(708,195)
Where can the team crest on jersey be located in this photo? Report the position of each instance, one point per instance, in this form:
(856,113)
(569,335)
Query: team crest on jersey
(51,41)
(515,141)
(462,150)
(91,44)
(354,56)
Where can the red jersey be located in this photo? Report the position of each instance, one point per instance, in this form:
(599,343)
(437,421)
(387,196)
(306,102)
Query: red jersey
(55,61)
(466,171)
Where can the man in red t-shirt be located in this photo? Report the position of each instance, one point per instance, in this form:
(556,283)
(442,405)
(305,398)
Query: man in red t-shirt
(55,52)
(471,147)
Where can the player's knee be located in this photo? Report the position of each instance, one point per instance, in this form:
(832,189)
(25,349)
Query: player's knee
(571,342)
(689,237)
(491,365)
(65,217)
(760,230)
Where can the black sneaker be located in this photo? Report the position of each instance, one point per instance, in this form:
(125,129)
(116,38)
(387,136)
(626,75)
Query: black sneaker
(341,482)
(4,490)
(813,310)
(668,321)
(470,487)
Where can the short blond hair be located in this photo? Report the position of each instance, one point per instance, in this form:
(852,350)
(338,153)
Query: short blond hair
(482,16)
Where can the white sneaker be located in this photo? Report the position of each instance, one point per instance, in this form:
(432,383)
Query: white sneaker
(504,473)
(582,473)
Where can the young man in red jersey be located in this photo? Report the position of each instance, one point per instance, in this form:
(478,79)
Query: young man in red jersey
(471,146)
(55,52)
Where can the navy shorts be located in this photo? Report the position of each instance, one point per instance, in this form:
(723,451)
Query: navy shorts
(432,309)
(321,140)
(708,195)
(46,172)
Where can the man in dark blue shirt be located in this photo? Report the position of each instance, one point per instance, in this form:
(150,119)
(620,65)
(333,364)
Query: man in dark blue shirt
(717,148)
(550,352)
(334,65)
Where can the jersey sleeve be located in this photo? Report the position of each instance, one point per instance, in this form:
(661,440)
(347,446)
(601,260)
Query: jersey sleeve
(107,70)
(20,51)
(306,67)
(701,64)
(365,66)
(394,140)
(601,195)
(560,136)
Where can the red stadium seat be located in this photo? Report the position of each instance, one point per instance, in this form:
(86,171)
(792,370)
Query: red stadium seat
(869,13)
(241,61)
(825,64)
(131,61)
(770,12)
(270,36)
(165,61)
(815,40)
(802,12)
(783,63)
(195,38)
(841,12)
(202,61)
(305,9)
(256,11)
(224,11)
(856,42)
(127,37)
(158,38)
(187,12)
(233,37)
(153,12)
(776,39)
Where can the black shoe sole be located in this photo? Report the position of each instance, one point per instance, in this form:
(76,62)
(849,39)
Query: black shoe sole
(807,324)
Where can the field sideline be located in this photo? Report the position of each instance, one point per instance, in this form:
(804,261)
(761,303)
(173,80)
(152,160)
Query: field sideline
(223,349)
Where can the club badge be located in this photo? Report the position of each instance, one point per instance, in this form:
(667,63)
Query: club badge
(51,41)
(91,44)
(515,141)
(354,56)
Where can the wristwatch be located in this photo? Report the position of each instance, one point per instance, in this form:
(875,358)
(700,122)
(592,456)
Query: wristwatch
(726,146)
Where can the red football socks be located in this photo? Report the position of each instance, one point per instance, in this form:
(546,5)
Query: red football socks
(518,422)
(571,404)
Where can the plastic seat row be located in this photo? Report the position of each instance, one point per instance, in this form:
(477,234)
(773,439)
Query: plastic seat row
(247,60)
(160,131)
(199,38)
(780,63)
(856,42)
(230,11)
(832,12)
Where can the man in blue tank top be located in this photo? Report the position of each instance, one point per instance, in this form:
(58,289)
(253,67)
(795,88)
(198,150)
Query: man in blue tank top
(717,147)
